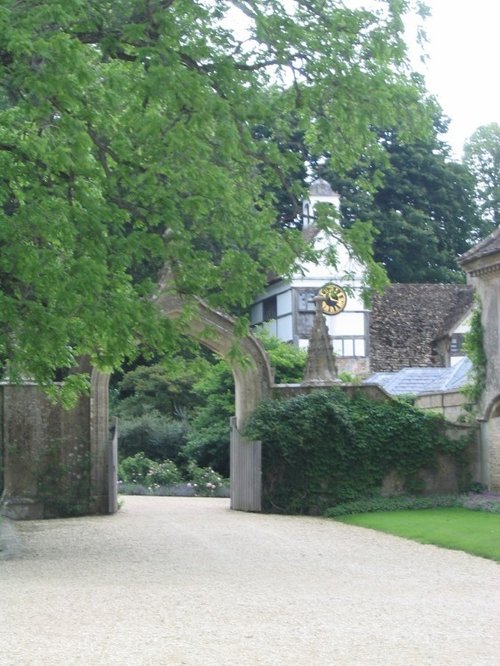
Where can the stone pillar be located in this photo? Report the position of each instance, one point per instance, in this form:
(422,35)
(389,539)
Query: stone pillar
(100,443)
(482,265)
(320,364)
(24,415)
(45,455)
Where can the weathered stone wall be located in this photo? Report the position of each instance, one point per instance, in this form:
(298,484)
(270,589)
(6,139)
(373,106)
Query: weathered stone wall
(447,477)
(482,264)
(487,284)
(373,391)
(451,404)
(45,454)
(358,366)
(490,445)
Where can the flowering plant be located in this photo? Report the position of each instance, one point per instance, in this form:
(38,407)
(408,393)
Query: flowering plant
(204,480)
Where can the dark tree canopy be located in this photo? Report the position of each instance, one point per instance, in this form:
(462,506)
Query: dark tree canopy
(421,204)
(127,143)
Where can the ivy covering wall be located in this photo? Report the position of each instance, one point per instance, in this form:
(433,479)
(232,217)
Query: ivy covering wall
(326,448)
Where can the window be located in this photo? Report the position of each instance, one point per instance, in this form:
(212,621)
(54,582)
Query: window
(349,347)
(269,308)
(306,300)
(456,343)
(306,308)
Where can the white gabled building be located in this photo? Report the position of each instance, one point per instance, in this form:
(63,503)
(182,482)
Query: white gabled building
(286,308)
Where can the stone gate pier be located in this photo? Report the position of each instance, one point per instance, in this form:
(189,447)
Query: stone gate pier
(55,462)
(482,265)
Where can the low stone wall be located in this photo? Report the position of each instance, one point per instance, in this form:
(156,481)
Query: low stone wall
(451,404)
(372,391)
(448,477)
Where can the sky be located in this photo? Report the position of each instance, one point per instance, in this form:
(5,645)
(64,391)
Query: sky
(463,65)
(463,68)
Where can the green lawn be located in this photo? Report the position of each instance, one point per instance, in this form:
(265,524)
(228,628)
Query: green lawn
(475,532)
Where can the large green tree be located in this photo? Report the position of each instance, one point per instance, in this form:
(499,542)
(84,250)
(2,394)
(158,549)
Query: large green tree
(482,156)
(128,142)
(421,204)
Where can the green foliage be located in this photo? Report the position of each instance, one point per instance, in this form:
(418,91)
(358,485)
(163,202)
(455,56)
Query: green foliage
(139,469)
(349,378)
(205,481)
(482,157)
(420,203)
(475,500)
(327,448)
(165,388)
(473,346)
(208,438)
(155,435)
(287,361)
(400,503)
(128,143)
(140,475)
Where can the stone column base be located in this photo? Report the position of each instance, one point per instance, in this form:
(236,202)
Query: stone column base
(21,508)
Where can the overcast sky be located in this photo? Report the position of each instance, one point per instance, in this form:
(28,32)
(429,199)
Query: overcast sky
(463,70)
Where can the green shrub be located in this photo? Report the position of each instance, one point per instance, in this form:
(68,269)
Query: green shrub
(400,503)
(327,448)
(474,348)
(205,481)
(157,436)
(143,471)
(139,475)
(287,361)
(483,501)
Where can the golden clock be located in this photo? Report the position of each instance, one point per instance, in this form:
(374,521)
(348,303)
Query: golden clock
(335,299)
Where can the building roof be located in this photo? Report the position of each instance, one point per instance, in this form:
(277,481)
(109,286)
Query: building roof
(321,188)
(408,320)
(412,381)
(489,245)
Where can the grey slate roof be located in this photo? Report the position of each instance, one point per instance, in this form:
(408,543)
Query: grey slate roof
(412,381)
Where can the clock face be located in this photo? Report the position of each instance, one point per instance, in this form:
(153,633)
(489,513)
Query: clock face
(335,299)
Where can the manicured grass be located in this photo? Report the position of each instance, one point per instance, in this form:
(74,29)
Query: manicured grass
(474,532)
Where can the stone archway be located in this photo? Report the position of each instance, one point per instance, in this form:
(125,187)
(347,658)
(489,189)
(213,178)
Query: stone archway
(214,329)
(253,381)
(30,424)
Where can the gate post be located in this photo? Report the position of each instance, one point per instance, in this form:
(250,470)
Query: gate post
(113,470)
(245,471)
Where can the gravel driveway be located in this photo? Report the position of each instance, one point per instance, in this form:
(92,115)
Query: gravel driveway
(184,581)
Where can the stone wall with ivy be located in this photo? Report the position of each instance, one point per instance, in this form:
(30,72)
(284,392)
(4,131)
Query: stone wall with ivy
(332,446)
